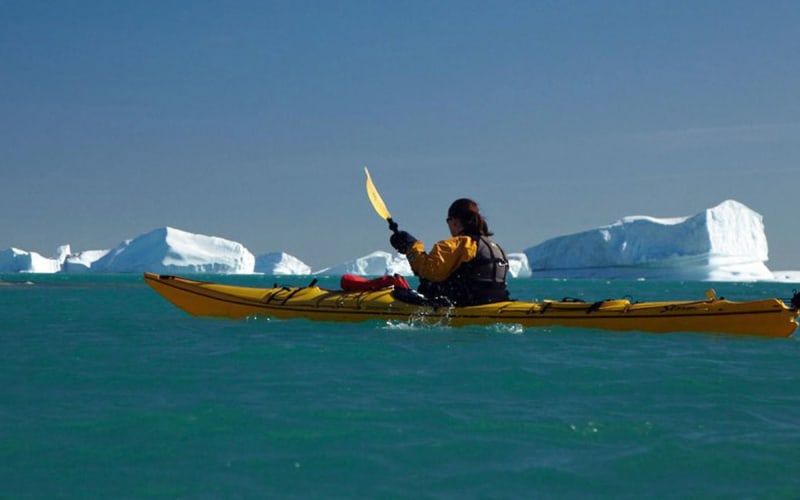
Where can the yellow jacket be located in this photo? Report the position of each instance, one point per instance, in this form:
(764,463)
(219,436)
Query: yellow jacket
(444,258)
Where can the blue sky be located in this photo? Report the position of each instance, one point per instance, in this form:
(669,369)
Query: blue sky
(253,120)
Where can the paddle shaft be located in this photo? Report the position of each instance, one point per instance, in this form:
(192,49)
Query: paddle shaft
(392,225)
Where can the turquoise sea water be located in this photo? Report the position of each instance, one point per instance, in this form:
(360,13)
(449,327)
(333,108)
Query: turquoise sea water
(108,391)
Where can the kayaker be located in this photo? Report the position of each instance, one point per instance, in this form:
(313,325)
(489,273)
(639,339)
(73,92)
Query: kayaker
(468,268)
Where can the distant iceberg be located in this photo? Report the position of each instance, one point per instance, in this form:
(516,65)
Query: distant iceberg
(375,264)
(518,265)
(379,263)
(164,250)
(723,243)
(169,250)
(280,263)
(14,260)
(79,262)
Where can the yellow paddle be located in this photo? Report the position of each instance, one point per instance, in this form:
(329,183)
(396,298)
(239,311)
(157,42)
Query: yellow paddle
(378,204)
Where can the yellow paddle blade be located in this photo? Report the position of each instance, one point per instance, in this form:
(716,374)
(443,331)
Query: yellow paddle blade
(375,198)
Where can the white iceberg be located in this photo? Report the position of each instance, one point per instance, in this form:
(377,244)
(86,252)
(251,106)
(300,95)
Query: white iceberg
(280,263)
(169,250)
(163,250)
(78,262)
(379,263)
(20,261)
(14,260)
(375,264)
(518,265)
(723,243)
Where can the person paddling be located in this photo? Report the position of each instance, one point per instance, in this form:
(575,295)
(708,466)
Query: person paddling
(468,268)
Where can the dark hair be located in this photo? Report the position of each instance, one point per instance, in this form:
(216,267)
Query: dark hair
(469,214)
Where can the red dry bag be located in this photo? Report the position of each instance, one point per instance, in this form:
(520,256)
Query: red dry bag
(353,283)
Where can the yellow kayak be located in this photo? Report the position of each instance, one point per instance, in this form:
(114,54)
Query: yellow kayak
(767,317)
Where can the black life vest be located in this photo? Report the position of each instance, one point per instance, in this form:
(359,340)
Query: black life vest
(479,281)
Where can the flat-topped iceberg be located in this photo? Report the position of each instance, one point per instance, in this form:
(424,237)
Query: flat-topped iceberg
(375,264)
(723,243)
(280,263)
(169,250)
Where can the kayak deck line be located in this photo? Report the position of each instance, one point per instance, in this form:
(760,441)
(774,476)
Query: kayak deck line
(763,317)
(501,306)
(267,305)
